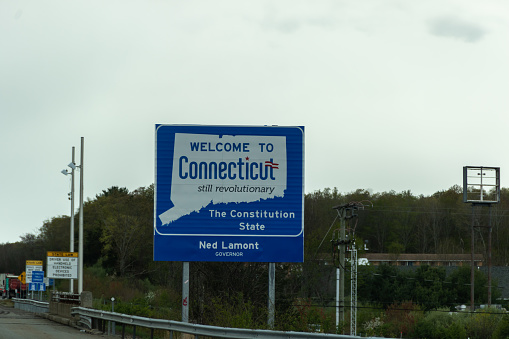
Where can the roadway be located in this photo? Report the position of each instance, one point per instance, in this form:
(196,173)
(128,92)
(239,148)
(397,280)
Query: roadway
(18,324)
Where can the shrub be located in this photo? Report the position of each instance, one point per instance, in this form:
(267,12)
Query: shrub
(482,324)
(502,329)
(373,327)
(368,319)
(313,319)
(440,325)
(400,319)
(234,313)
(138,307)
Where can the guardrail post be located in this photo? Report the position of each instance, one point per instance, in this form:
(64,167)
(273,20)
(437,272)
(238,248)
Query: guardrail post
(113,310)
(134,331)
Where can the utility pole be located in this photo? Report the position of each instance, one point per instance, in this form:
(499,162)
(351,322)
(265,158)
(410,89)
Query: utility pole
(73,167)
(353,290)
(339,244)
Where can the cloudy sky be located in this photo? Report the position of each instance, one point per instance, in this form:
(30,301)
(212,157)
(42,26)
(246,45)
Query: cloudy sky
(394,95)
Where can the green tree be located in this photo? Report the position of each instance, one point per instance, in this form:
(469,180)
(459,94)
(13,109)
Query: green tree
(429,289)
(55,234)
(460,281)
(127,226)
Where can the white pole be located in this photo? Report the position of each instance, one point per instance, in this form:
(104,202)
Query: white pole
(337,297)
(80,254)
(71,245)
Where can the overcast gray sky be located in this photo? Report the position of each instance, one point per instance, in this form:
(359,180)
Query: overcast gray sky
(394,95)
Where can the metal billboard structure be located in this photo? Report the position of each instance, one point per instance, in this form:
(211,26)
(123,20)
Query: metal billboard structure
(229,193)
(481,185)
(481,188)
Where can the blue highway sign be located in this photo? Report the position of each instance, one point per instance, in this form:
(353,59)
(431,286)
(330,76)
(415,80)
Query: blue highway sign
(37,276)
(229,193)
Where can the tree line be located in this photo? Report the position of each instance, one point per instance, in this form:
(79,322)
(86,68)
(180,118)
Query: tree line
(118,237)
(404,223)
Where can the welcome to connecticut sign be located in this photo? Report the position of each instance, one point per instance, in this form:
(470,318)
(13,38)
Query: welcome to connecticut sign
(229,193)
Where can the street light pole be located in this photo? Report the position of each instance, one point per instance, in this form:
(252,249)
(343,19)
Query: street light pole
(71,245)
(80,254)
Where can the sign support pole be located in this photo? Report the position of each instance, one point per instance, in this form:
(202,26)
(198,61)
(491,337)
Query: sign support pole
(71,244)
(185,292)
(472,262)
(272,294)
(489,257)
(80,236)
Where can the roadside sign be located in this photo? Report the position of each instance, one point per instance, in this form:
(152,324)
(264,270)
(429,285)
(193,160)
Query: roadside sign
(37,287)
(62,265)
(229,193)
(32,265)
(37,276)
(22,278)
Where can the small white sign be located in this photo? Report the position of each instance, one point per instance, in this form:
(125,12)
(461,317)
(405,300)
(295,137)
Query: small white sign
(32,265)
(62,267)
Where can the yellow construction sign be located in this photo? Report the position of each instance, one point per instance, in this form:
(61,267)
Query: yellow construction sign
(22,278)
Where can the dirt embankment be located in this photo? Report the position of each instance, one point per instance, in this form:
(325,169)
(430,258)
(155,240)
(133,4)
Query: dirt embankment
(6,303)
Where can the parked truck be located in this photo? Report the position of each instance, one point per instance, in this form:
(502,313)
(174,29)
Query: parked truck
(14,287)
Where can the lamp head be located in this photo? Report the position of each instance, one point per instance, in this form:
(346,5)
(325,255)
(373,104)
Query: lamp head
(72,165)
(64,172)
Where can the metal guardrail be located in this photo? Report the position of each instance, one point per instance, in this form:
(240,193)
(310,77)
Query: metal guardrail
(29,305)
(87,314)
(196,329)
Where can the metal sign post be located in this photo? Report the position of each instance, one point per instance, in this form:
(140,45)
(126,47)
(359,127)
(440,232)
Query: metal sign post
(272,294)
(185,292)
